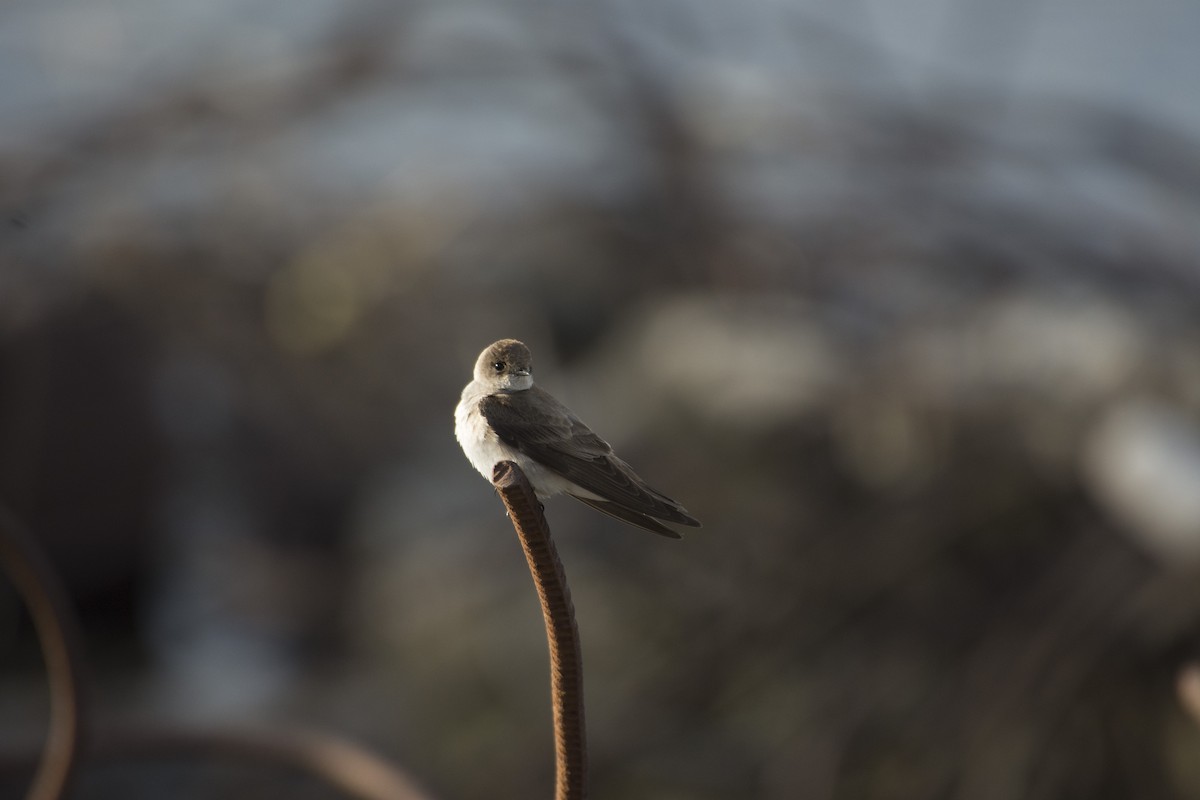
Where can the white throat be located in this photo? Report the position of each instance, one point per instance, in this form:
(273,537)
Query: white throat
(516,383)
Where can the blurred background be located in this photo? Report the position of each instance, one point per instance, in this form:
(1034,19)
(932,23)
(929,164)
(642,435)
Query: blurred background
(901,299)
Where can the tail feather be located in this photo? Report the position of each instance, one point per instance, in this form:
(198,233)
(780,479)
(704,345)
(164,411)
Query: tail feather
(628,515)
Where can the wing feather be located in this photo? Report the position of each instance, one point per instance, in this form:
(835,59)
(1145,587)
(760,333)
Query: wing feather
(632,517)
(539,426)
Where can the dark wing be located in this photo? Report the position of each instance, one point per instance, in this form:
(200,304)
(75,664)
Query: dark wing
(542,428)
(632,517)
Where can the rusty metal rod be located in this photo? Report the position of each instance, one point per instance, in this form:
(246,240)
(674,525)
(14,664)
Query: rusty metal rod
(562,636)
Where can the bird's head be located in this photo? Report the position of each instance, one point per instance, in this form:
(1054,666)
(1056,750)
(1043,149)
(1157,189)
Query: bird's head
(505,366)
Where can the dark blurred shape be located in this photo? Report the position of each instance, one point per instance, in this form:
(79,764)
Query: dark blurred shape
(80,453)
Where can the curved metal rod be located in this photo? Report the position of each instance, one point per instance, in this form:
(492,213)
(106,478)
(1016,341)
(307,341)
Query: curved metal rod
(58,633)
(562,636)
(333,759)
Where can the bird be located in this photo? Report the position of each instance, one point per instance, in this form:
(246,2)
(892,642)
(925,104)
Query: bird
(503,416)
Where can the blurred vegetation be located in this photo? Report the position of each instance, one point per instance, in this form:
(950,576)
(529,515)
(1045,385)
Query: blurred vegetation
(925,362)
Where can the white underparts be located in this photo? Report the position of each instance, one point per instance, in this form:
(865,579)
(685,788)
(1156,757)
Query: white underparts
(485,450)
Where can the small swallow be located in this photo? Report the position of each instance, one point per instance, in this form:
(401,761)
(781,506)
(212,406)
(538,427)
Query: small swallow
(502,416)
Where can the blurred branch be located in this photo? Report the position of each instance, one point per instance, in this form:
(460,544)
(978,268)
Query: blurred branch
(562,635)
(58,634)
(332,759)
(355,53)
(338,762)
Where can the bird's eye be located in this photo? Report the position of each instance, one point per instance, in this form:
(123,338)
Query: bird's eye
(498,366)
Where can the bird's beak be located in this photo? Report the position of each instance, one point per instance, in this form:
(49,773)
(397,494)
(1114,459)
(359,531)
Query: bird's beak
(522,373)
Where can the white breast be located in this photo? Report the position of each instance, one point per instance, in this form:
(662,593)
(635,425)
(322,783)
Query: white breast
(477,439)
(485,450)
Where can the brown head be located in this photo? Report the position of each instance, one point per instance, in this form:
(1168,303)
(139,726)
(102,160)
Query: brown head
(505,365)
